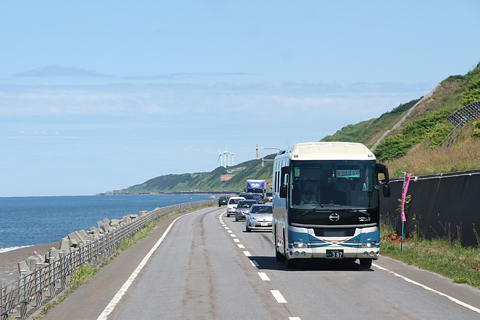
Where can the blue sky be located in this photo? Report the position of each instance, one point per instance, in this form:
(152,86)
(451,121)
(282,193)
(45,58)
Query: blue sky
(102,95)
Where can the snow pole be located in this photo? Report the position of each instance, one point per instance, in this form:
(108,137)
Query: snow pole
(406,180)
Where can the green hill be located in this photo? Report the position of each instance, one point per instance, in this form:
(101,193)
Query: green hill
(411,146)
(406,139)
(369,131)
(230,179)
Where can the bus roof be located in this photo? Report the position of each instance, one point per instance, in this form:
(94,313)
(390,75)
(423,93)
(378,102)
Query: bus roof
(330,151)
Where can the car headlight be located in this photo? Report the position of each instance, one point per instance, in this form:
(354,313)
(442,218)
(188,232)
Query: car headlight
(370,244)
(299,244)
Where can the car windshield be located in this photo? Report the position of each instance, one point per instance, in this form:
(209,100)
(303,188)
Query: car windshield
(261,209)
(234,201)
(245,204)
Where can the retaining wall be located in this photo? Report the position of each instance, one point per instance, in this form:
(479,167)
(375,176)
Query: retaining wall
(445,205)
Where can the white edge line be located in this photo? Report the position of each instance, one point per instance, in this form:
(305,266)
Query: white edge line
(463,304)
(132,277)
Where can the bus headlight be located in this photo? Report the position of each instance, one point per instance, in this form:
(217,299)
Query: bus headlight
(299,244)
(370,244)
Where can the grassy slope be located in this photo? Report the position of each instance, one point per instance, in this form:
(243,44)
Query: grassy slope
(207,181)
(411,147)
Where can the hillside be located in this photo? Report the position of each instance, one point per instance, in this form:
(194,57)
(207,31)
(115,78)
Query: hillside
(410,135)
(412,146)
(230,179)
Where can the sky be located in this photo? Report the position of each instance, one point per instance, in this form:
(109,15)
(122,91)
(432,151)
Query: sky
(98,96)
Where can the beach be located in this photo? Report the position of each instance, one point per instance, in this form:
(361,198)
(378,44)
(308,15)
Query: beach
(9,260)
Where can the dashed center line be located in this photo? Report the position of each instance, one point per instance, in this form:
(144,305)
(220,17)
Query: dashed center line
(263,276)
(278,296)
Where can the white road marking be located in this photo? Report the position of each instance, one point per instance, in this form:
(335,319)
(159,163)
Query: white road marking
(229,231)
(227,228)
(294,318)
(264,276)
(241,246)
(126,285)
(236,240)
(278,296)
(247,253)
(233,236)
(463,304)
(254,263)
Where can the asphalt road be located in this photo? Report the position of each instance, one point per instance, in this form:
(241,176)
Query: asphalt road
(208,267)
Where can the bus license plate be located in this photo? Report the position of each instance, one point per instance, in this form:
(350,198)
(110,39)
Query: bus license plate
(334,254)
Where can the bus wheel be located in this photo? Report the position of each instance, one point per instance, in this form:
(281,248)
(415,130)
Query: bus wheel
(278,255)
(291,263)
(366,263)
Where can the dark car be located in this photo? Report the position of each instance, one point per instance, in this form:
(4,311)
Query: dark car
(247,196)
(223,200)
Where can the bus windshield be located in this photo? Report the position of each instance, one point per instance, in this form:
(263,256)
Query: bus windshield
(335,184)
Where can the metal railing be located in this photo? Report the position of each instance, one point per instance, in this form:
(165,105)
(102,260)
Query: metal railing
(459,119)
(36,288)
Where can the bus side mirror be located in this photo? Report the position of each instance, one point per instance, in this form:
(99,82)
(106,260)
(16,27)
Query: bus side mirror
(385,183)
(284,182)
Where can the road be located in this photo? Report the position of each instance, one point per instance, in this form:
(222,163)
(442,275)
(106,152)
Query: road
(208,267)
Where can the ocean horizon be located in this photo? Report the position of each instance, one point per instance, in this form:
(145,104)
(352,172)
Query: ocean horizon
(29,221)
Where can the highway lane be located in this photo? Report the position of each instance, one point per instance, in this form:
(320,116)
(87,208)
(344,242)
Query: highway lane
(198,273)
(337,289)
(208,267)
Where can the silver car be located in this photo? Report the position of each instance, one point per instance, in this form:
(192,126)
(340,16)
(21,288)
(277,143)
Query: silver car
(259,217)
(242,208)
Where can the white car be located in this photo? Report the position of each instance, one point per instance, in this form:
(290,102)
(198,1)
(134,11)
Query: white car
(259,217)
(232,205)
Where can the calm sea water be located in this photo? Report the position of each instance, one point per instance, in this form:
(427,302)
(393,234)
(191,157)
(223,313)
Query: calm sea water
(27,221)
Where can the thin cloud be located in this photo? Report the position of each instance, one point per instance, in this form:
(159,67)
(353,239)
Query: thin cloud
(56,71)
(183,76)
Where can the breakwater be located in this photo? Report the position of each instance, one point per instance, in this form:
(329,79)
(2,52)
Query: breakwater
(44,277)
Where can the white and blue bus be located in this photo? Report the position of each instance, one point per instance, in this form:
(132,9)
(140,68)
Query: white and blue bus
(326,202)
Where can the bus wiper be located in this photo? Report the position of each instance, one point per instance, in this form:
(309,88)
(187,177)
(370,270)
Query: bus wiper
(320,206)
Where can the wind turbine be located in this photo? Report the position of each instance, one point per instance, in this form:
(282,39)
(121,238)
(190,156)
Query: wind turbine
(220,157)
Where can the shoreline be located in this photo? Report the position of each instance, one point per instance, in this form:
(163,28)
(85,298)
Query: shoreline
(9,260)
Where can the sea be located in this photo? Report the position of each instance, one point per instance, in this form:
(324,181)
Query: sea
(28,221)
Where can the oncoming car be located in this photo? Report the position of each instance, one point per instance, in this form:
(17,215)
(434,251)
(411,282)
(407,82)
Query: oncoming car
(232,205)
(259,217)
(242,208)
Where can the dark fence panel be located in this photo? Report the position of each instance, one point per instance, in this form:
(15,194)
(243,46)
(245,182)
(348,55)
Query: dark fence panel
(445,205)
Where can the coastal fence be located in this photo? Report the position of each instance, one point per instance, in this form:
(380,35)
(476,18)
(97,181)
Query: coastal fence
(38,287)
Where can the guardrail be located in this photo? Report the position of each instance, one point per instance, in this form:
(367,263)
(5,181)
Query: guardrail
(38,287)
